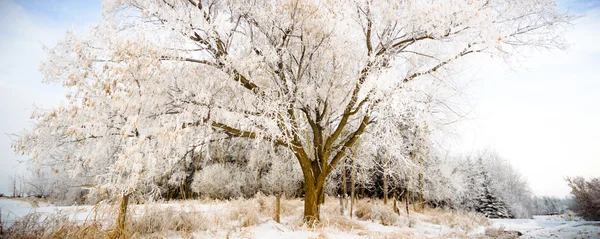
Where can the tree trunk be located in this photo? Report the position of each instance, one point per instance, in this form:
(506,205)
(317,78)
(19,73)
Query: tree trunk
(342,206)
(352,183)
(362,190)
(120,230)
(421,202)
(277,207)
(395,197)
(406,201)
(385,189)
(344,184)
(322,196)
(311,202)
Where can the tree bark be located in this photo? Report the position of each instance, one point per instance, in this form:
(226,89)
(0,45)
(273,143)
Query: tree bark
(352,183)
(385,189)
(406,202)
(344,185)
(342,206)
(421,185)
(322,196)
(395,198)
(311,203)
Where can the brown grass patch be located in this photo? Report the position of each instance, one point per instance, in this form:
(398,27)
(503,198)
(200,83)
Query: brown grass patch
(383,214)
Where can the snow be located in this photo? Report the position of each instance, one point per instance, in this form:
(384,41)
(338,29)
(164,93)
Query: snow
(13,209)
(430,224)
(550,227)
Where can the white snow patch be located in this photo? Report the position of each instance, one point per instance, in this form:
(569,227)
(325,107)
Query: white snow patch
(550,227)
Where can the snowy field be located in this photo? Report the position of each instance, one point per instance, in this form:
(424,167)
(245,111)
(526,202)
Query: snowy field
(13,209)
(247,219)
(550,227)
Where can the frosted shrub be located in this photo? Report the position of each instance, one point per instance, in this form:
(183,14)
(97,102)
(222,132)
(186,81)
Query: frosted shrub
(377,213)
(216,181)
(213,181)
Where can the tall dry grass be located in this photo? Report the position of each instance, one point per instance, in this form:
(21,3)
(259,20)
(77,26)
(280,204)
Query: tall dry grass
(236,218)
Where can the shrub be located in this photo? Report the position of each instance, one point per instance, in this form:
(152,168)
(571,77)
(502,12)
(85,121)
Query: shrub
(587,197)
(214,181)
(377,213)
(500,233)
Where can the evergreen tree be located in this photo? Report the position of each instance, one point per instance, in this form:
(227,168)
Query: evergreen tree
(487,203)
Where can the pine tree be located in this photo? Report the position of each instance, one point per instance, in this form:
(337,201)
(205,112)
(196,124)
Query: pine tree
(487,203)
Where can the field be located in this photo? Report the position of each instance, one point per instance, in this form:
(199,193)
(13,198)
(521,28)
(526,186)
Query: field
(252,218)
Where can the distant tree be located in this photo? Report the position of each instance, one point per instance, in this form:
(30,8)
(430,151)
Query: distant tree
(587,197)
(547,205)
(487,203)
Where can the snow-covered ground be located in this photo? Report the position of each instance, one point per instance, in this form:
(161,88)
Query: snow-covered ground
(13,209)
(432,223)
(550,227)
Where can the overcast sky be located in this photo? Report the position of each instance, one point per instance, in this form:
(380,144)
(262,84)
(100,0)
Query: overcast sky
(543,117)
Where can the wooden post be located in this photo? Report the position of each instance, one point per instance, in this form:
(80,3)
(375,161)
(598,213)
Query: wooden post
(278,207)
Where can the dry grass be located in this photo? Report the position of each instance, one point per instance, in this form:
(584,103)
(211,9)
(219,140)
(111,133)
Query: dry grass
(339,222)
(376,212)
(501,233)
(246,212)
(236,218)
(154,221)
(466,221)
(34,225)
(321,235)
(291,207)
(389,235)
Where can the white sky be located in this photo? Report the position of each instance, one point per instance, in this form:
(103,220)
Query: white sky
(544,117)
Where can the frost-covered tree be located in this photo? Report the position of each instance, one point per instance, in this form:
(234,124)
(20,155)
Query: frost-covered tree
(549,205)
(586,195)
(157,78)
(509,185)
(283,176)
(486,173)
(488,204)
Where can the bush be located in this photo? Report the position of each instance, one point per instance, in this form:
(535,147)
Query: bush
(500,233)
(377,213)
(214,181)
(587,197)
